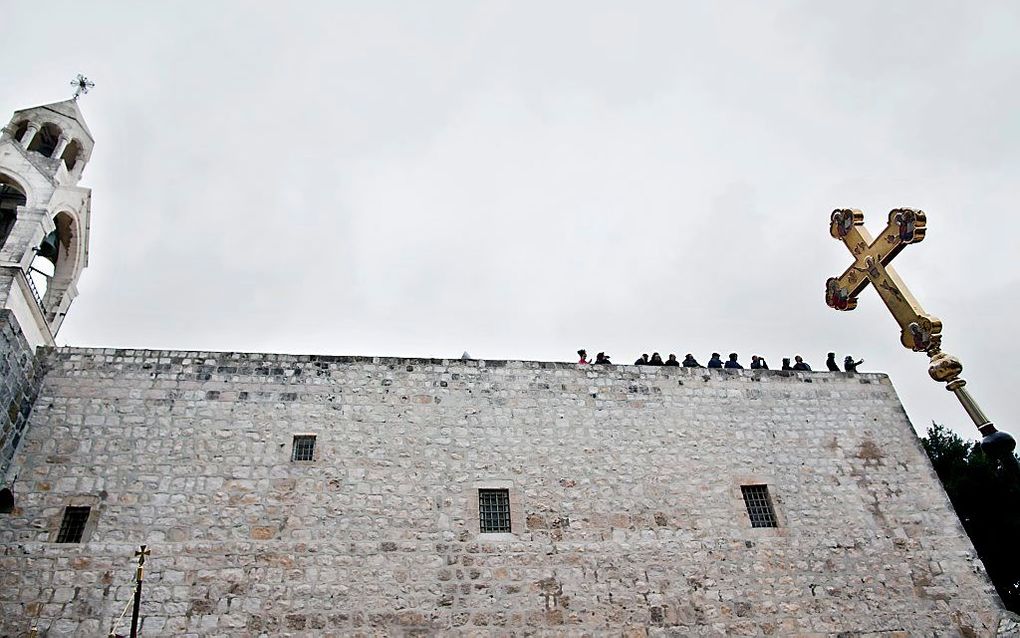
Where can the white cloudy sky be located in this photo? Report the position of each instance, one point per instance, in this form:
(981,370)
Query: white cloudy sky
(523,179)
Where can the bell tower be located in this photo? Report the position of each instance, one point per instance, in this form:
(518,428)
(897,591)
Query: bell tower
(44,215)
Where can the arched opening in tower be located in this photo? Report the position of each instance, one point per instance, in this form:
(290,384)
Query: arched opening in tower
(11,197)
(44,264)
(20,129)
(70,154)
(45,141)
(54,265)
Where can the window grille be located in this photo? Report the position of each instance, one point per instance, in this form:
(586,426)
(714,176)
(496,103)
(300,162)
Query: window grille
(73,525)
(759,507)
(304,448)
(494,511)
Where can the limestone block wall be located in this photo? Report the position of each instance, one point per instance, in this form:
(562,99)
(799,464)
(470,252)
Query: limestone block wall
(18,384)
(625,489)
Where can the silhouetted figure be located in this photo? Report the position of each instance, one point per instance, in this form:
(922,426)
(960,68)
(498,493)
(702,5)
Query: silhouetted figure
(732,363)
(584,357)
(800,365)
(656,360)
(602,358)
(671,361)
(831,364)
(642,360)
(758,363)
(786,363)
(715,361)
(850,365)
(691,362)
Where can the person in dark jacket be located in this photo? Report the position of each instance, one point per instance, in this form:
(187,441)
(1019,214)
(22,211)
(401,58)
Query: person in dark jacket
(831,364)
(691,362)
(642,360)
(800,365)
(850,365)
(715,361)
(786,363)
(656,360)
(671,361)
(732,363)
(758,363)
(602,358)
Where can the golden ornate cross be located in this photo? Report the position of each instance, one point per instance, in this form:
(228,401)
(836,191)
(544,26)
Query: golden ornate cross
(918,331)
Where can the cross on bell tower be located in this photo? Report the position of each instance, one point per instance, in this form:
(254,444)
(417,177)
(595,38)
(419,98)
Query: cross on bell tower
(81,86)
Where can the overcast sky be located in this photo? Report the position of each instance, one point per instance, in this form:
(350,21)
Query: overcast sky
(521,180)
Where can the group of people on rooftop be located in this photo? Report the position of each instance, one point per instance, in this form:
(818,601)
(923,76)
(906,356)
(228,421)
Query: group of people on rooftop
(757,362)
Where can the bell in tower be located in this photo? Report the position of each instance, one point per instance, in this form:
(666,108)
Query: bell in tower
(44,215)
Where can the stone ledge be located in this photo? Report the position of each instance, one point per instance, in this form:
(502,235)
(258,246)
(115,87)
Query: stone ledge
(211,357)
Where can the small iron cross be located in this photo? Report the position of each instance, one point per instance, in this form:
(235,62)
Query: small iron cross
(918,331)
(81,86)
(140,570)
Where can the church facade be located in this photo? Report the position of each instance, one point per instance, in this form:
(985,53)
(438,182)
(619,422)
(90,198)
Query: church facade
(334,496)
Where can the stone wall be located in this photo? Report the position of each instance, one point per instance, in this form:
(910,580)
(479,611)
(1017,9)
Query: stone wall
(18,368)
(624,484)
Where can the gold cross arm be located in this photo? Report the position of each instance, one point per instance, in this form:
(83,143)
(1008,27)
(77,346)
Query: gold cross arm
(141,554)
(918,331)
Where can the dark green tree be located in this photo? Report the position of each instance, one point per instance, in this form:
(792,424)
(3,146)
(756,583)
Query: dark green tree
(987,500)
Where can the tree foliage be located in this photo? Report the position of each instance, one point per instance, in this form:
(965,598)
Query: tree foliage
(987,500)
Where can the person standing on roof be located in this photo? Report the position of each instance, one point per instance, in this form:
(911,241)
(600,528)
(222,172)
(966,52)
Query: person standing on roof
(850,365)
(831,364)
(732,363)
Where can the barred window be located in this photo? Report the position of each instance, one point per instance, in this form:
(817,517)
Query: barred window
(73,525)
(494,511)
(304,448)
(759,506)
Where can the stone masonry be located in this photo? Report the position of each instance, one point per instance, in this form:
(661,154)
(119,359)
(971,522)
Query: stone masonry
(625,498)
(17,387)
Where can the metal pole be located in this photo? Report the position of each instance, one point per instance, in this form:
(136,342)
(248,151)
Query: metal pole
(138,605)
(945,368)
(139,573)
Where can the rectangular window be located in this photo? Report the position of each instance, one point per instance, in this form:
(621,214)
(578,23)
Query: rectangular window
(494,511)
(73,525)
(304,448)
(759,507)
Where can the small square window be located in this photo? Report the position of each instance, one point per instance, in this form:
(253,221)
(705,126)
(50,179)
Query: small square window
(304,448)
(494,511)
(759,507)
(73,526)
